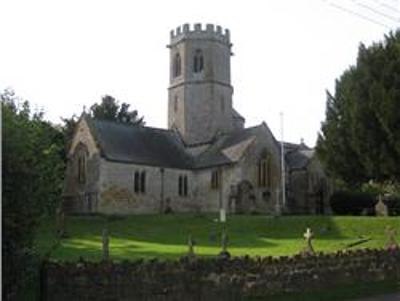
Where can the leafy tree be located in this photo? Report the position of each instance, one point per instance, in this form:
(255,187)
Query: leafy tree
(110,109)
(33,171)
(360,137)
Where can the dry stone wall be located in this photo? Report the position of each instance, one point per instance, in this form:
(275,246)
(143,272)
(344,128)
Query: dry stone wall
(215,279)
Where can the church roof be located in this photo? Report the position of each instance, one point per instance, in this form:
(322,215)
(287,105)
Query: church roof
(227,148)
(139,144)
(164,148)
(297,156)
(237,115)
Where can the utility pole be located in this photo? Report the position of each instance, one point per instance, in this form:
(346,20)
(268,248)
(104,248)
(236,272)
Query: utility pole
(283,167)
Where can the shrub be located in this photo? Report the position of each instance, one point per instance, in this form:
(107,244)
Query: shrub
(352,203)
(393,204)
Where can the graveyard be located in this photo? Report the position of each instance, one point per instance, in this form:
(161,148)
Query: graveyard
(171,236)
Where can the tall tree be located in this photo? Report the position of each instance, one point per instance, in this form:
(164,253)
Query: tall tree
(110,109)
(33,170)
(360,137)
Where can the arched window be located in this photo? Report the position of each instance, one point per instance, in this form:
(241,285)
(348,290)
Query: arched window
(176,100)
(143,182)
(198,61)
(177,65)
(264,172)
(82,169)
(136,183)
(139,182)
(183,185)
(215,179)
(180,185)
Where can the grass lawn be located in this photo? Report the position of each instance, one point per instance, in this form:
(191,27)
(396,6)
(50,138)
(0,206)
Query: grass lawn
(165,236)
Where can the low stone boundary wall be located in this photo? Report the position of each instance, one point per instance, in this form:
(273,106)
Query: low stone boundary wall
(213,278)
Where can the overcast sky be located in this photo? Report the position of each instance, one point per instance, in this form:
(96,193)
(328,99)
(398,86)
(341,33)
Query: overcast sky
(62,55)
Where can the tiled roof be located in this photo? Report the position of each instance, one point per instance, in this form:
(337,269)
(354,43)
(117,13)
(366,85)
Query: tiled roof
(164,148)
(139,144)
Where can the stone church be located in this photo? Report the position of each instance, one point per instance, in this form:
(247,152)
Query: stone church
(205,161)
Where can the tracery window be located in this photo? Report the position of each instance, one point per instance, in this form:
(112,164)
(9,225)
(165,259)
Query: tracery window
(82,169)
(264,172)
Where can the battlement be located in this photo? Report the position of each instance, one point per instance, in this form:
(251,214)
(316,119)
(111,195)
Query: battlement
(199,32)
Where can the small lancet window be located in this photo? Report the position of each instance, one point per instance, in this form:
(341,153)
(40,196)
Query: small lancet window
(215,179)
(136,181)
(177,67)
(143,182)
(176,100)
(139,182)
(82,169)
(183,185)
(198,61)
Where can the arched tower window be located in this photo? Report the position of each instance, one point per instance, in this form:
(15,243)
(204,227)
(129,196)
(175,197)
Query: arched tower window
(177,65)
(198,61)
(176,99)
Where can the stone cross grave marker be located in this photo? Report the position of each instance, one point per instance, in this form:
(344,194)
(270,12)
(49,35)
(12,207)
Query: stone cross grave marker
(391,238)
(60,215)
(380,208)
(105,245)
(308,236)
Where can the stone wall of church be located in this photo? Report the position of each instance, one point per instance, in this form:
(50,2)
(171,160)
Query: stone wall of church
(309,190)
(80,195)
(118,196)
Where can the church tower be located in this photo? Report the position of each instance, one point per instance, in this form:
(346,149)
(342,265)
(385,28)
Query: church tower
(200,91)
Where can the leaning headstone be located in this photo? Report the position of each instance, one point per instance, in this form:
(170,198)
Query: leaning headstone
(60,223)
(168,208)
(391,238)
(212,236)
(380,208)
(191,244)
(224,245)
(105,245)
(308,249)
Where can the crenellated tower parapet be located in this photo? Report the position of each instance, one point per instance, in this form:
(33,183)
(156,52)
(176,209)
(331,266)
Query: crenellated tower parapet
(199,32)
(200,90)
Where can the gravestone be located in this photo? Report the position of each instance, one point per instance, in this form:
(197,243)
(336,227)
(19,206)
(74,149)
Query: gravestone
(224,245)
(168,208)
(391,238)
(308,249)
(60,223)
(380,208)
(212,236)
(105,245)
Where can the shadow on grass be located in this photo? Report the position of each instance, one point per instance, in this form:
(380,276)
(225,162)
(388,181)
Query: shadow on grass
(166,235)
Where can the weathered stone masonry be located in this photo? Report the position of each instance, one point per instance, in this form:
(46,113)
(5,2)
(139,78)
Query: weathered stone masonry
(216,279)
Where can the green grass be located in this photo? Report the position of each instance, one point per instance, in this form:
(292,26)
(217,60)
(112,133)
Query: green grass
(165,236)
